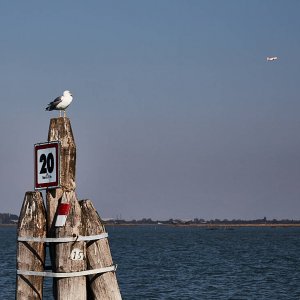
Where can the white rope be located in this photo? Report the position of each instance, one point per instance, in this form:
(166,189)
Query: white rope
(71,274)
(64,239)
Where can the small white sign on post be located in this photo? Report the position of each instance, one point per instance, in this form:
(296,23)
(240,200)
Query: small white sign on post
(46,165)
(77,254)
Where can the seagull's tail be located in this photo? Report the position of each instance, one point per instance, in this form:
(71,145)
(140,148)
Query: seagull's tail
(49,107)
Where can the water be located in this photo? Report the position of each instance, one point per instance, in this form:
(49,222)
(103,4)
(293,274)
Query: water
(160,262)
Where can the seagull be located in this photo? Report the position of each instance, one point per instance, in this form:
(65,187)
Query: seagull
(272,58)
(61,103)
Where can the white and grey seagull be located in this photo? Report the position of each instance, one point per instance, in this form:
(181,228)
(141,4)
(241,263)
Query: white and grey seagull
(61,103)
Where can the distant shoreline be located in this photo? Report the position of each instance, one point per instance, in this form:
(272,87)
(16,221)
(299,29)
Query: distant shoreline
(209,226)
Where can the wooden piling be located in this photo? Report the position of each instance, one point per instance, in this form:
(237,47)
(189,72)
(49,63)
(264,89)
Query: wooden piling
(74,220)
(70,257)
(60,130)
(73,288)
(31,255)
(103,286)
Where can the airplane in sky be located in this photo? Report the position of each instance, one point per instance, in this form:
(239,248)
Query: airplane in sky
(272,58)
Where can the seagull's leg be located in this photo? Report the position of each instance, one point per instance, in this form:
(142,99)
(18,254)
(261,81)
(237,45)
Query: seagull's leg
(64,113)
(60,113)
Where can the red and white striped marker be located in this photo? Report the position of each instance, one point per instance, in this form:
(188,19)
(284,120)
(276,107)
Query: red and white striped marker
(62,213)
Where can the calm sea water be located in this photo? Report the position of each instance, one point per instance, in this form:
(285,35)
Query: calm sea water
(159,262)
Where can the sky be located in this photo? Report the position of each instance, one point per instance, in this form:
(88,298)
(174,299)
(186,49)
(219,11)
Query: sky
(176,111)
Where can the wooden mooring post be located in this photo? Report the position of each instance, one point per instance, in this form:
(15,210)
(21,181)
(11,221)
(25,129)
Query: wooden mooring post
(31,254)
(81,261)
(102,286)
(69,288)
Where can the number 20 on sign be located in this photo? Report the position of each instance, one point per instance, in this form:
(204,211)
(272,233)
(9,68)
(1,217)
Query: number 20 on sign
(46,165)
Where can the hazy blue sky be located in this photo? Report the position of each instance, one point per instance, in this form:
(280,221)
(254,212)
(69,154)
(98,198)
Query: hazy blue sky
(176,112)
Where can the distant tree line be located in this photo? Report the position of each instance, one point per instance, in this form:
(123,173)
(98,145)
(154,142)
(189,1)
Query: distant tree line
(201,221)
(7,218)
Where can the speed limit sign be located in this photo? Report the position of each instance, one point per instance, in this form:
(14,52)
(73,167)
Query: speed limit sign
(46,165)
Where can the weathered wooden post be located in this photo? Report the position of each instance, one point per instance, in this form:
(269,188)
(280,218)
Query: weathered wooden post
(31,251)
(60,130)
(75,233)
(103,286)
(69,288)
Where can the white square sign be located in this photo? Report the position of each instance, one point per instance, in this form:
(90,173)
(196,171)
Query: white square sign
(47,173)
